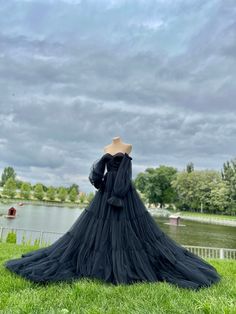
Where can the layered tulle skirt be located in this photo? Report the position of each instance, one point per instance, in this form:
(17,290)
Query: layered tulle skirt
(118,246)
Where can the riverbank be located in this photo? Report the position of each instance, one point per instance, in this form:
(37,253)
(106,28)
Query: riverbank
(223,220)
(42,203)
(92,296)
(208,218)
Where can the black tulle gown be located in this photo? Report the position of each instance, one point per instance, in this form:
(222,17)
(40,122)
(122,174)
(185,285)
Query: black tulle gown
(116,240)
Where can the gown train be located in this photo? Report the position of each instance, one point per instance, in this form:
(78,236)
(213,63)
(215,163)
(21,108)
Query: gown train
(115,239)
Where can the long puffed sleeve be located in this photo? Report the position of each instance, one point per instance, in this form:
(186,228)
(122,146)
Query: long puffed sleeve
(122,182)
(97,172)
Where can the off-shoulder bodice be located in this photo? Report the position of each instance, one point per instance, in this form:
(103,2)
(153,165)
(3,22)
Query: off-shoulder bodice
(113,161)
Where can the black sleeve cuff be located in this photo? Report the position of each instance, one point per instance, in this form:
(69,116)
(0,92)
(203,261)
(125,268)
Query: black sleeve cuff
(115,201)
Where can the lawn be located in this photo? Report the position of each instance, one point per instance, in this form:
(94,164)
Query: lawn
(206,215)
(93,297)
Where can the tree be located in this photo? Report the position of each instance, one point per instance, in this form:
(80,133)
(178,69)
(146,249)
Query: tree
(19,183)
(90,196)
(51,193)
(25,190)
(62,194)
(183,185)
(9,188)
(38,191)
(219,197)
(73,195)
(196,190)
(73,186)
(8,172)
(141,181)
(82,198)
(203,187)
(229,176)
(155,184)
(190,167)
(45,188)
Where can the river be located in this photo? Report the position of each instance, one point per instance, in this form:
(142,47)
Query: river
(59,219)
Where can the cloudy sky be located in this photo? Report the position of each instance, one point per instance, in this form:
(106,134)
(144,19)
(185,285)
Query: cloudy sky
(160,74)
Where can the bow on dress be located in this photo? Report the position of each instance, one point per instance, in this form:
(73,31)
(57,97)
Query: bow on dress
(122,181)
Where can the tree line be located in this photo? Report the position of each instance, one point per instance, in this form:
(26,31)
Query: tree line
(208,191)
(11,185)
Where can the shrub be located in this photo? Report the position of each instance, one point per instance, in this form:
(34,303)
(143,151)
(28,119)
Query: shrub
(11,237)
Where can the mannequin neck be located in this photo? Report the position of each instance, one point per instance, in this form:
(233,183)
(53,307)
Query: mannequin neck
(116,140)
(118,145)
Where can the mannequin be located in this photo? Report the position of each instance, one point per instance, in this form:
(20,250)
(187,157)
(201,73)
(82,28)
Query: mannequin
(115,239)
(118,146)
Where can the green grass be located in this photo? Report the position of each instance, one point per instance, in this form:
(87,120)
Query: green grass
(91,296)
(203,215)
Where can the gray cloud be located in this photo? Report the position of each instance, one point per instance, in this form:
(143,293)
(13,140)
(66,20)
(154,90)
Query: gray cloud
(74,74)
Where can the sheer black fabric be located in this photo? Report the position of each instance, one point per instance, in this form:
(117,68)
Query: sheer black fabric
(116,240)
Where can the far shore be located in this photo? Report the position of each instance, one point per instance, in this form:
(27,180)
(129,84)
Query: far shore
(212,220)
(225,220)
(13,202)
